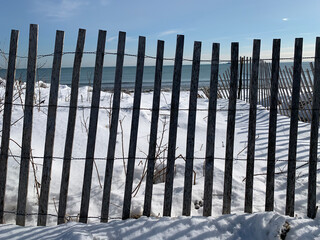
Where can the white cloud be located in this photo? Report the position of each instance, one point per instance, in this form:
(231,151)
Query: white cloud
(60,9)
(285,19)
(169,32)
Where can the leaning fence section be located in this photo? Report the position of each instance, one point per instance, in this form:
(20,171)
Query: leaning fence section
(291,91)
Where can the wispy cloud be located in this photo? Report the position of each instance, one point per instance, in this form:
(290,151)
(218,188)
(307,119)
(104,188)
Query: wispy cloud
(59,10)
(285,19)
(169,32)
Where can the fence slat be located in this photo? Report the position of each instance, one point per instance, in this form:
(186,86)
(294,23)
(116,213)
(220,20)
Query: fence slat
(113,128)
(285,93)
(94,112)
(173,126)
(187,194)
(27,126)
(272,125)
(153,130)
(230,129)
(308,96)
(289,79)
(134,129)
(304,116)
(306,107)
(71,127)
(312,181)
(291,177)
(51,125)
(211,128)
(252,125)
(6,124)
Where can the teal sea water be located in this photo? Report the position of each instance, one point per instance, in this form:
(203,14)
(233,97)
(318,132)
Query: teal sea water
(128,76)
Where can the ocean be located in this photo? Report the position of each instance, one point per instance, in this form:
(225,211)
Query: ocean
(128,76)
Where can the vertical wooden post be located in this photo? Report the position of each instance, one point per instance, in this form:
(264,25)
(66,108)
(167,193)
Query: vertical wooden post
(153,129)
(71,127)
(312,183)
(291,177)
(27,126)
(230,129)
(211,128)
(272,125)
(252,126)
(134,129)
(113,128)
(51,125)
(6,124)
(94,113)
(173,126)
(187,194)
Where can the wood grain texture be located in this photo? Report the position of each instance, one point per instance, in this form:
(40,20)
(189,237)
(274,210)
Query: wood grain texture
(113,128)
(51,126)
(70,127)
(252,126)
(7,112)
(312,181)
(291,177)
(173,126)
(272,125)
(94,113)
(153,129)
(226,208)
(27,126)
(211,130)
(134,128)
(187,194)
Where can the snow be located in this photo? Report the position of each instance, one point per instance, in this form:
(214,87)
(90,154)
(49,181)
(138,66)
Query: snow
(237,225)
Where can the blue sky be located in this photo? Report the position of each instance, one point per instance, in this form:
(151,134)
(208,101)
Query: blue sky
(222,21)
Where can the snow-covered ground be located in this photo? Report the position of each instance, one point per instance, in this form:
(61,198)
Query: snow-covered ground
(238,225)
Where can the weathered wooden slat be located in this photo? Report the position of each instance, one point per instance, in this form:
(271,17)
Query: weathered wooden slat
(27,126)
(289,79)
(252,126)
(153,129)
(113,128)
(304,116)
(272,125)
(312,181)
(247,80)
(187,194)
(240,78)
(70,127)
(134,129)
(285,92)
(6,124)
(225,91)
(308,95)
(230,129)
(173,126)
(305,94)
(291,177)
(51,125)
(211,128)
(94,113)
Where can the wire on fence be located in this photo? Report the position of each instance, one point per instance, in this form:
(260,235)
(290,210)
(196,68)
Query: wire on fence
(150,109)
(156,158)
(147,56)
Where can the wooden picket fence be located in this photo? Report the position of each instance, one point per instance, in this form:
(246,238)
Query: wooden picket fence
(256,91)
